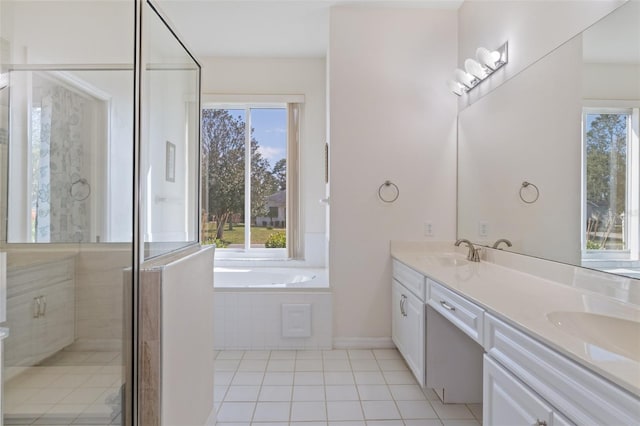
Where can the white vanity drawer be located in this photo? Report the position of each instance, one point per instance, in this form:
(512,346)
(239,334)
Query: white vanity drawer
(581,395)
(412,280)
(464,314)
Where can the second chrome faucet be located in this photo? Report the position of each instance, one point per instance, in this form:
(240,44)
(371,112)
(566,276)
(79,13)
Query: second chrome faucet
(474,253)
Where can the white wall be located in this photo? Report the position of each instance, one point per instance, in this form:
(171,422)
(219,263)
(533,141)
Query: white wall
(391,117)
(533,28)
(611,81)
(276,76)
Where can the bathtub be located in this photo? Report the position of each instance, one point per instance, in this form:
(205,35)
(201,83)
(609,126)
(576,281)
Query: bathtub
(258,308)
(263,278)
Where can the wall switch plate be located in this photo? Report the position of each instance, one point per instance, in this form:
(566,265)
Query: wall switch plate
(483,229)
(428,229)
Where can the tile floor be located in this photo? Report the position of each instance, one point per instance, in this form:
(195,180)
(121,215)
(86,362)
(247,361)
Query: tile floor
(69,388)
(328,388)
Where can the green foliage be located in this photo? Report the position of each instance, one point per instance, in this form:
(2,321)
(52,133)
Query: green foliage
(223,156)
(280,173)
(592,245)
(276,240)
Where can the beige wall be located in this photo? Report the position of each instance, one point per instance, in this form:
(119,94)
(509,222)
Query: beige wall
(391,117)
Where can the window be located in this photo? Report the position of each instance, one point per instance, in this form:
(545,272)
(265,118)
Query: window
(248,188)
(611,183)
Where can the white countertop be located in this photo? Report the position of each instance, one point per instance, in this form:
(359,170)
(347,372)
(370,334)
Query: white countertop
(525,300)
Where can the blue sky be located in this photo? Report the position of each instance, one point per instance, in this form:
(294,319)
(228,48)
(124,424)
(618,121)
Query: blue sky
(270,130)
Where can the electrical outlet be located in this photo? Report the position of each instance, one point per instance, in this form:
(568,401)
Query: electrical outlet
(428,229)
(483,229)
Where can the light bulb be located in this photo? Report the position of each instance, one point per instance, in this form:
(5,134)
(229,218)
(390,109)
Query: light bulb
(474,68)
(487,57)
(465,78)
(456,87)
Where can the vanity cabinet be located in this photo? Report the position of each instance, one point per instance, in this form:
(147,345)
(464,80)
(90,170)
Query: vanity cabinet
(41,311)
(510,402)
(408,318)
(578,394)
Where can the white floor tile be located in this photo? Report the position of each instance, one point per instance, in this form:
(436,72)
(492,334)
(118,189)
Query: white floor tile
(275,393)
(256,355)
(272,412)
(460,423)
(230,355)
(364,365)
(392,365)
(338,378)
(309,365)
(399,377)
(380,410)
(386,354)
(236,411)
(335,354)
(374,393)
(307,424)
(360,354)
(247,378)
(452,411)
(308,393)
(278,379)
(341,393)
(369,378)
(416,410)
(308,411)
(309,355)
(308,378)
(252,365)
(476,410)
(331,364)
(223,377)
(219,392)
(407,393)
(385,423)
(348,423)
(344,410)
(242,393)
(423,422)
(226,364)
(283,354)
(72,381)
(281,365)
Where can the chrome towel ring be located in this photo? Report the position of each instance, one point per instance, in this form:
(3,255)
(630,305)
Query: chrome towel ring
(533,197)
(388,198)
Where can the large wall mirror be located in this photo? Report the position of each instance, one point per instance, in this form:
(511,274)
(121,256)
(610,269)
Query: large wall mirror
(551,159)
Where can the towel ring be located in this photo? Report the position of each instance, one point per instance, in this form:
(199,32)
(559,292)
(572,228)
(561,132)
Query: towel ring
(386,184)
(526,184)
(80,189)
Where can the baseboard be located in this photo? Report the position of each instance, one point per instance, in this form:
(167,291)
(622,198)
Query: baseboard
(363,343)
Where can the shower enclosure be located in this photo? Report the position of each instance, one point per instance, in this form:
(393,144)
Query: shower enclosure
(99,146)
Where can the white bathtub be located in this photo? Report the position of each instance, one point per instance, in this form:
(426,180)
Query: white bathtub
(250,304)
(263,278)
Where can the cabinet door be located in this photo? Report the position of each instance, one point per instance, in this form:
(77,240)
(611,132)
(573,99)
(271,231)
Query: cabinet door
(413,326)
(507,401)
(56,327)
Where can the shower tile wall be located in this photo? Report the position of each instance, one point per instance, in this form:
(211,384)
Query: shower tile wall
(99,296)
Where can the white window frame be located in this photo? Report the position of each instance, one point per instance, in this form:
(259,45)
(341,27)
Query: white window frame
(293,224)
(632,209)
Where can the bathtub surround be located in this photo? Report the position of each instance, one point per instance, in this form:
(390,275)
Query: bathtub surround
(251,305)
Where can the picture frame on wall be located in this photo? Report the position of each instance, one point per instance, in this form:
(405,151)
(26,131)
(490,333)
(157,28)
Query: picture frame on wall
(170,168)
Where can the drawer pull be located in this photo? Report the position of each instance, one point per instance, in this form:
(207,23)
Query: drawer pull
(36,307)
(447,306)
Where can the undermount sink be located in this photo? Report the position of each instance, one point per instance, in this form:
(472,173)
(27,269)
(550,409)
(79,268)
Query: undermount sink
(447,259)
(617,335)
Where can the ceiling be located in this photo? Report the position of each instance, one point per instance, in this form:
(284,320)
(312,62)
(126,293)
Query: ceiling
(265,28)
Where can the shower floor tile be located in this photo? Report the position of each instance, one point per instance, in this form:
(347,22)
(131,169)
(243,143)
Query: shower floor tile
(69,388)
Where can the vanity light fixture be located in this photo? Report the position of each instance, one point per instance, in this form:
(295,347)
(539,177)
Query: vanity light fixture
(477,70)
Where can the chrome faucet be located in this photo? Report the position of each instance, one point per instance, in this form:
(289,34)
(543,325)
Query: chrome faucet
(473,255)
(502,240)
